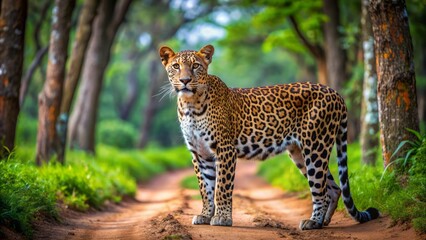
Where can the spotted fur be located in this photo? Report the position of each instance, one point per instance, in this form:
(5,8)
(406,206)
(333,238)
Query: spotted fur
(221,124)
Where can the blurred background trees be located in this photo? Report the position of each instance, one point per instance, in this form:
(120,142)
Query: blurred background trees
(122,99)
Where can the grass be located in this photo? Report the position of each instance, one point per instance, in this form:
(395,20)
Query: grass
(190,182)
(400,193)
(84,182)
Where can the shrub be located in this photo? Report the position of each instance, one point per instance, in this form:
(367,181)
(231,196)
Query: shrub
(23,194)
(117,133)
(84,181)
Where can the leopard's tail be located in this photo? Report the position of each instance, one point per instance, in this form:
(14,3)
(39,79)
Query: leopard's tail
(342,160)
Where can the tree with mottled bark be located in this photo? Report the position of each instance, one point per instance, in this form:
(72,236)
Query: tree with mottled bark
(369,110)
(51,95)
(83,118)
(396,93)
(13,15)
(83,33)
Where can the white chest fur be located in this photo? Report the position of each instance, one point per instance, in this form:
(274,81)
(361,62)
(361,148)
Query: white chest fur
(195,132)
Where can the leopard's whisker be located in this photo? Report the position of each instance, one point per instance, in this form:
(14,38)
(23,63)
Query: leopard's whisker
(165,90)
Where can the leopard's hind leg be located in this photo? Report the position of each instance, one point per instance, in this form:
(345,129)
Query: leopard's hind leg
(333,190)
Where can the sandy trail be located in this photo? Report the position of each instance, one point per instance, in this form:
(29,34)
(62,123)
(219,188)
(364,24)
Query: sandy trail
(163,210)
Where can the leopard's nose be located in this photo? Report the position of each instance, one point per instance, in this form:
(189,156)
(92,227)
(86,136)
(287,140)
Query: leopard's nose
(185,80)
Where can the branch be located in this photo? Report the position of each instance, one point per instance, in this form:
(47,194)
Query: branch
(39,24)
(30,72)
(119,14)
(315,50)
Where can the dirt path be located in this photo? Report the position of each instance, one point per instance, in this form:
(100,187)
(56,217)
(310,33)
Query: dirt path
(163,210)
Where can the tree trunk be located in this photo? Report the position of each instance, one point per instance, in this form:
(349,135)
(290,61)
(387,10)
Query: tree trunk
(13,14)
(29,74)
(51,95)
(322,70)
(132,87)
(83,118)
(39,53)
(396,77)
(334,53)
(84,31)
(369,109)
(421,91)
(156,75)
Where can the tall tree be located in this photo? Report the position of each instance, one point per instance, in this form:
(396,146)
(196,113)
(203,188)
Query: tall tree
(369,109)
(83,118)
(314,25)
(13,14)
(51,94)
(416,11)
(84,31)
(133,88)
(396,76)
(155,77)
(335,55)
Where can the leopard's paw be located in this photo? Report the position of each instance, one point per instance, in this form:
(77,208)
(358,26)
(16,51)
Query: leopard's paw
(309,224)
(221,221)
(201,219)
(327,221)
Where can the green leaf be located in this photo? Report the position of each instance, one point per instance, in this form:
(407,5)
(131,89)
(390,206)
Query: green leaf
(408,154)
(401,144)
(417,134)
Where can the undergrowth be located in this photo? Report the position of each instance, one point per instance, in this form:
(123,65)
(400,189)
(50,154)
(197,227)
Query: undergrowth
(400,193)
(190,182)
(85,181)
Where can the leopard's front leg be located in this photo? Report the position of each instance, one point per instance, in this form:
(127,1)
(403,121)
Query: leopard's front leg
(225,173)
(205,170)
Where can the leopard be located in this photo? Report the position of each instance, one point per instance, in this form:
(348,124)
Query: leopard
(221,124)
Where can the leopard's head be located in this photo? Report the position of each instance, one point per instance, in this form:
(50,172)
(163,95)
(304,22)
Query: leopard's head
(187,70)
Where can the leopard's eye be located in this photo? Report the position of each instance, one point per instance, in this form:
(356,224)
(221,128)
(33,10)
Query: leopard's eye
(176,66)
(195,65)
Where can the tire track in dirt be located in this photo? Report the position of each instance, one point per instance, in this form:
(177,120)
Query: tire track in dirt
(162,210)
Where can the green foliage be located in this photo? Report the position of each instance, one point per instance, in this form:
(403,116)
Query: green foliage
(173,158)
(405,197)
(26,129)
(84,182)
(23,193)
(413,146)
(190,182)
(117,133)
(412,196)
(282,172)
(274,15)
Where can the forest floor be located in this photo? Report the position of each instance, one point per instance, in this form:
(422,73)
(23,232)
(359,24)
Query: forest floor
(163,210)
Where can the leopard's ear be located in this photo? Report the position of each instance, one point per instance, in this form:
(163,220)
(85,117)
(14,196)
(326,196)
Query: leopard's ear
(206,53)
(166,53)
